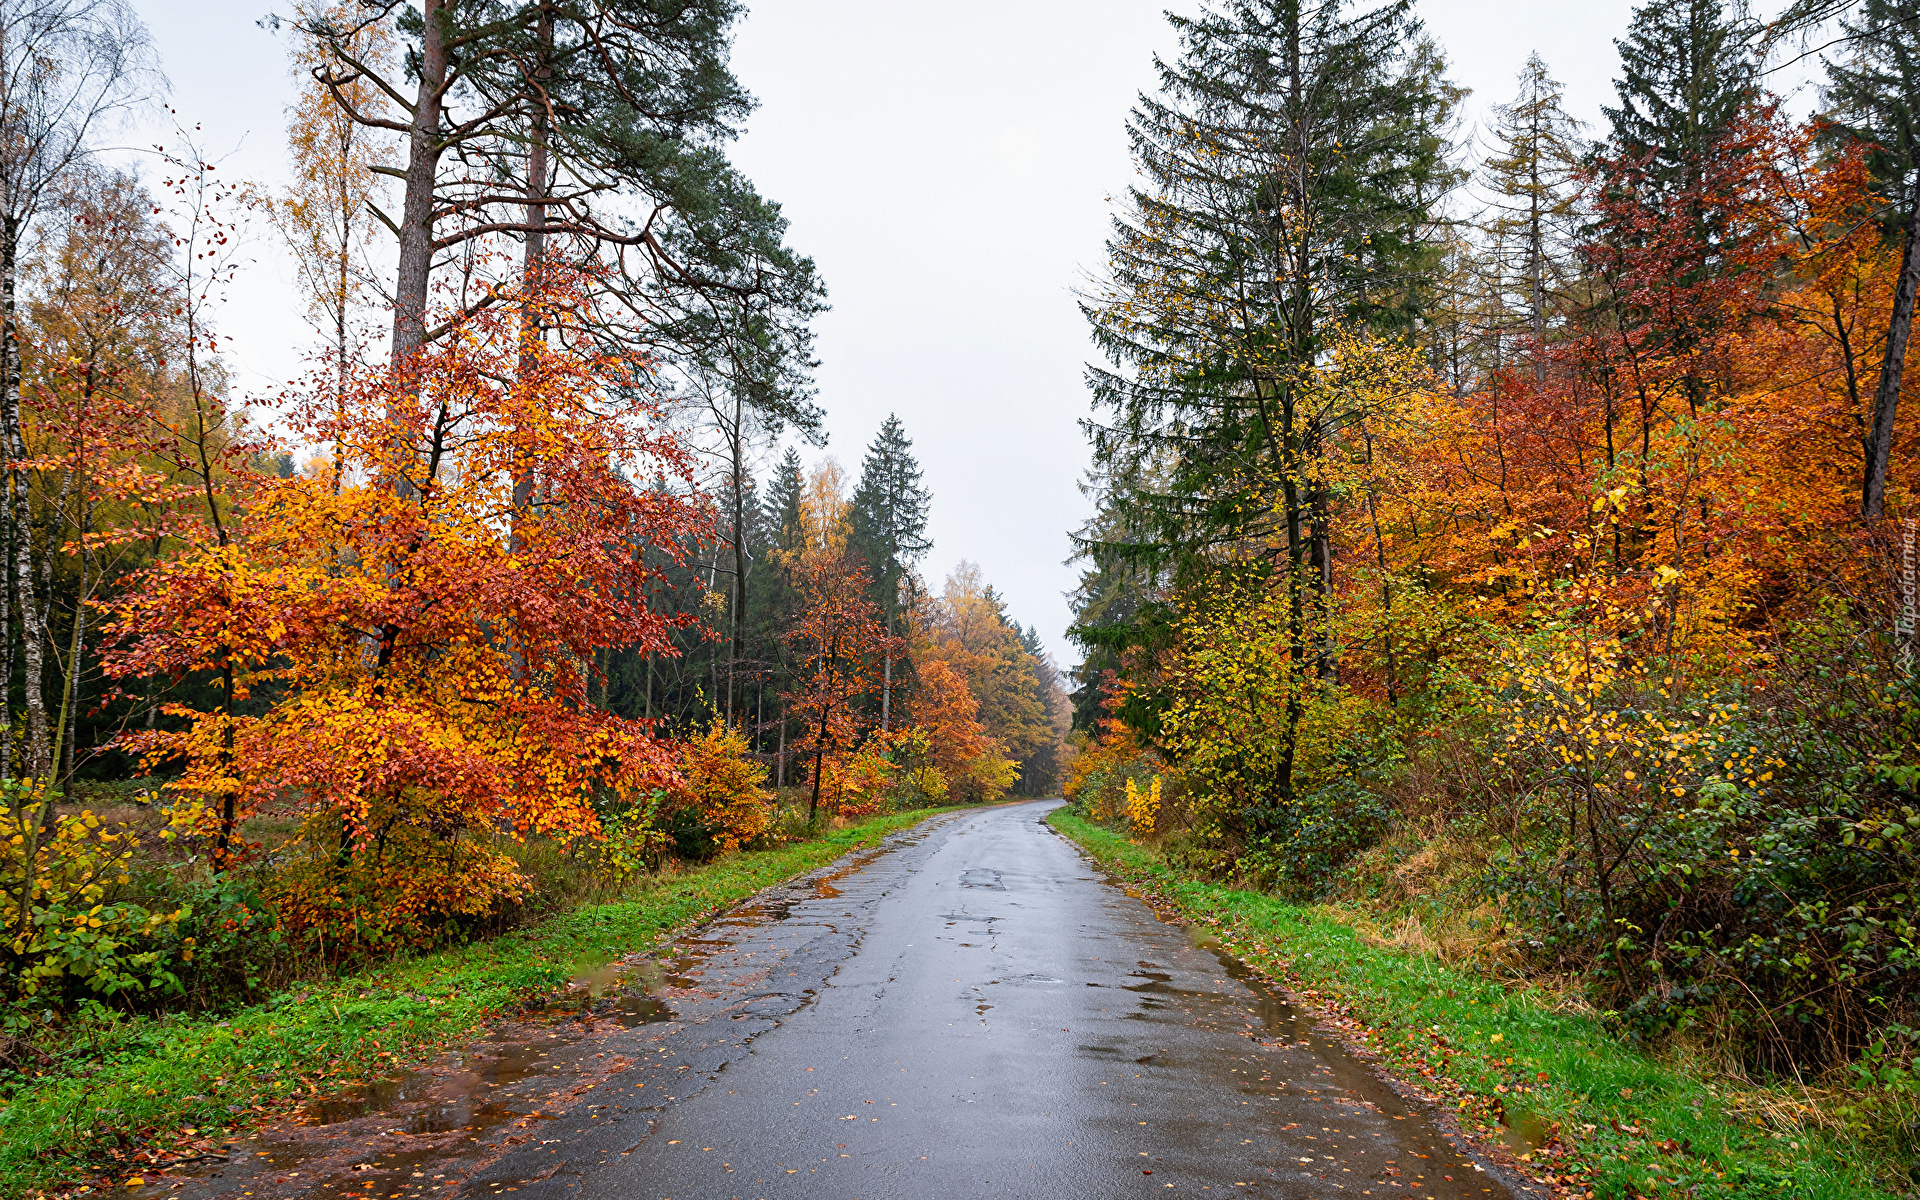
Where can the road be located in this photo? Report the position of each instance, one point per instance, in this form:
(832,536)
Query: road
(969,1011)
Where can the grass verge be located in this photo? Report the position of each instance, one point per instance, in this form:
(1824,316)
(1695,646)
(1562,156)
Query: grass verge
(1591,1116)
(170,1087)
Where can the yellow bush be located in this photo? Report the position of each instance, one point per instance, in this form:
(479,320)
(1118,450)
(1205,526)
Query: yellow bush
(724,786)
(1143,806)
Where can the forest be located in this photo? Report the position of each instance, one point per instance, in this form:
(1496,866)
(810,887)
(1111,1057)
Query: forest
(1502,549)
(522,595)
(1504,541)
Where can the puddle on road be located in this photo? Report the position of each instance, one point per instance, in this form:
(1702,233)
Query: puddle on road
(1287,1063)
(427,1129)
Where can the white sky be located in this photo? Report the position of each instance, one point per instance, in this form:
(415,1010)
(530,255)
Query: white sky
(948,167)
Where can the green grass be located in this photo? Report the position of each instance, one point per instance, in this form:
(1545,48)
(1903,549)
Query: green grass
(1626,1124)
(175,1083)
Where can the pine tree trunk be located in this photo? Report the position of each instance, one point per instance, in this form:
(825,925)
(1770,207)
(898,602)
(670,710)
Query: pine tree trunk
(531,328)
(1886,398)
(424,147)
(736,645)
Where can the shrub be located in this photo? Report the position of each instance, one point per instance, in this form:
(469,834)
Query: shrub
(632,840)
(721,804)
(412,873)
(921,783)
(1716,853)
(227,942)
(64,938)
(1308,840)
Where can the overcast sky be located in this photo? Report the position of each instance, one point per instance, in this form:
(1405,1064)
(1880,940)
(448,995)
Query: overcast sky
(949,167)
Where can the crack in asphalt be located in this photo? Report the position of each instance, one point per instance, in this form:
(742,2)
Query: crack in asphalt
(831,1037)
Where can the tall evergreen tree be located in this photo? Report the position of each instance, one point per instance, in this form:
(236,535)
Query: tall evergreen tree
(1295,157)
(1040,773)
(1874,95)
(1685,73)
(779,539)
(601,125)
(1531,179)
(889,529)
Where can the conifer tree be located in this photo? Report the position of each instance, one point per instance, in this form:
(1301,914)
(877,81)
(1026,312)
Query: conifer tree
(565,116)
(1294,158)
(889,528)
(773,606)
(1685,73)
(1687,78)
(1532,182)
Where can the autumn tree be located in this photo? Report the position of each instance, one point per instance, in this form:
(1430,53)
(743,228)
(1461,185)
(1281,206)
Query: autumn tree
(970,631)
(326,215)
(103,328)
(836,644)
(971,764)
(1871,92)
(69,69)
(888,530)
(432,681)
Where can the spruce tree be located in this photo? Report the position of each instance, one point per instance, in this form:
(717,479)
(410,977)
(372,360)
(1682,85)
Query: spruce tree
(1685,74)
(1293,172)
(1295,158)
(1532,183)
(889,529)
(778,540)
(1874,96)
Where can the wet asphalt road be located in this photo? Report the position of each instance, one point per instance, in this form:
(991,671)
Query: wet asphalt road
(969,1011)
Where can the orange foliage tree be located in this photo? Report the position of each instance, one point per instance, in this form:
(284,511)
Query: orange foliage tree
(421,643)
(837,644)
(971,763)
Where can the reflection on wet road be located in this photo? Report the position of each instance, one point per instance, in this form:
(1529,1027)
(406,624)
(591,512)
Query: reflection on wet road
(968,1010)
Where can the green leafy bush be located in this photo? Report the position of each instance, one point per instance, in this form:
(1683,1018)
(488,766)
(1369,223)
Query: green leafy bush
(64,938)
(1309,840)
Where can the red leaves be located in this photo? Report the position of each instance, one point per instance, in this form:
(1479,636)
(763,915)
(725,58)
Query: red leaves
(423,631)
(838,643)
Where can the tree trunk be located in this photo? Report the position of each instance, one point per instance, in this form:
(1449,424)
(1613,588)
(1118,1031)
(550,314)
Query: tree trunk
(33,625)
(62,756)
(737,644)
(11,535)
(1886,398)
(424,147)
(532,330)
(819,760)
(69,704)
